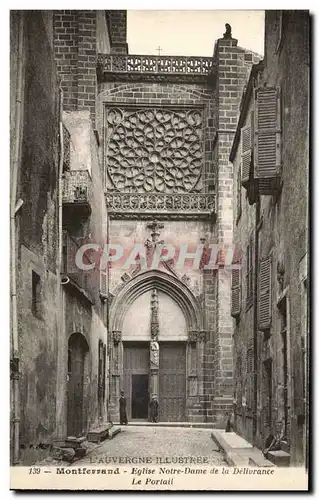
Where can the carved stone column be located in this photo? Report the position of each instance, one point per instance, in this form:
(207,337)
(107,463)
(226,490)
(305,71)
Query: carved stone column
(154,347)
(117,373)
(201,339)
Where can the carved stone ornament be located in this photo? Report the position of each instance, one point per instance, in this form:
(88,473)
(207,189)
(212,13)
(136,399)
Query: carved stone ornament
(227,35)
(154,355)
(192,336)
(117,337)
(202,336)
(178,69)
(153,150)
(186,280)
(171,206)
(154,315)
(125,277)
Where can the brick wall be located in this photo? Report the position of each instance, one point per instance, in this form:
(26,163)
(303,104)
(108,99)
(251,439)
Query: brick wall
(117,28)
(233,65)
(75,46)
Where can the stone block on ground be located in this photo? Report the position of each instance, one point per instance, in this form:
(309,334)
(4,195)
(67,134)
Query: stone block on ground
(114,431)
(99,433)
(279,457)
(66,454)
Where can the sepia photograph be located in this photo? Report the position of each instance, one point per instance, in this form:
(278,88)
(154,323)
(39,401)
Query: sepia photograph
(159,250)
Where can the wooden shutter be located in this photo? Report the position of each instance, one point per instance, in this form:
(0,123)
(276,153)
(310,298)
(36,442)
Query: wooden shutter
(267,157)
(103,283)
(246,149)
(235,293)
(264,298)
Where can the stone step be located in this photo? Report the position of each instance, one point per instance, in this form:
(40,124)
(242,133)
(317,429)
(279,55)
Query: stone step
(99,433)
(257,459)
(203,425)
(75,442)
(114,431)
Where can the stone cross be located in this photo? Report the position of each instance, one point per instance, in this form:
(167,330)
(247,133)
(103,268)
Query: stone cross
(159,49)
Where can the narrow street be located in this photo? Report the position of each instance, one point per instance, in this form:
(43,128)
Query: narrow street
(164,442)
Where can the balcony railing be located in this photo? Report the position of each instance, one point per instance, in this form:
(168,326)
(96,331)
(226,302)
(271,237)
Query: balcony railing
(77,190)
(66,148)
(155,65)
(175,206)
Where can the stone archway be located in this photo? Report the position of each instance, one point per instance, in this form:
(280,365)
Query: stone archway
(167,361)
(78,350)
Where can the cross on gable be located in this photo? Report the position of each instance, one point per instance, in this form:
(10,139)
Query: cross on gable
(159,49)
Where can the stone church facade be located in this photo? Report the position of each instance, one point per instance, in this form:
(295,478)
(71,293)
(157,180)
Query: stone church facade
(129,150)
(166,125)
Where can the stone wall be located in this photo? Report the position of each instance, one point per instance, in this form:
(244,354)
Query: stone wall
(37,231)
(280,230)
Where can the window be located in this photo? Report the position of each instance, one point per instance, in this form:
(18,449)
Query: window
(264,294)
(267,131)
(36,294)
(235,293)
(249,274)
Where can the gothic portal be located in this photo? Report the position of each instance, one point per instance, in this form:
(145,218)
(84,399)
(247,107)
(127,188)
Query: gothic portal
(158,347)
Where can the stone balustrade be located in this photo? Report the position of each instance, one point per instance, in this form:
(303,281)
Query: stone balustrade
(190,205)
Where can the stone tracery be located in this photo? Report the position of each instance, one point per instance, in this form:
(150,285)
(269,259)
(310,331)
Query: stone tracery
(154,150)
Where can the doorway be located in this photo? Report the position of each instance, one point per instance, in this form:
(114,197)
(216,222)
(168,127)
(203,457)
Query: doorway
(136,379)
(172,382)
(140,396)
(77,351)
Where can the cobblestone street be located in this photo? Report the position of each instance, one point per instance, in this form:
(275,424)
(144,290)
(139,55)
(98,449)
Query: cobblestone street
(164,442)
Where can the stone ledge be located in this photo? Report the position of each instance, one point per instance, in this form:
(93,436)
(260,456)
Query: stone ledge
(237,451)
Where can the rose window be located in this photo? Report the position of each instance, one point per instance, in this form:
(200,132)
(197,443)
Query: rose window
(154,150)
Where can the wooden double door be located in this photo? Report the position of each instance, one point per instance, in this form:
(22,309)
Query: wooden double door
(171,381)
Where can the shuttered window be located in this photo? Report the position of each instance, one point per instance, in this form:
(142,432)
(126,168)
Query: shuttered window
(246,150)
(264,298)
(235,293)
(249,273)
(267,157)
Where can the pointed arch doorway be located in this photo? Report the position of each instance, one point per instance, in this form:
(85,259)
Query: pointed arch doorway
(77,364)
(154,348)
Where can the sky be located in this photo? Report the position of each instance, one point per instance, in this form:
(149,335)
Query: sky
(192,32)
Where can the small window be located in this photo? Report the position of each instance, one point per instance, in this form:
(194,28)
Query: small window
(36,294)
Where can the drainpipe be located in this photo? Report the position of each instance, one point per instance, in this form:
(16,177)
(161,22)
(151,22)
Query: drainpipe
(255,343)
(60,186)
(60,297)
(15,375)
